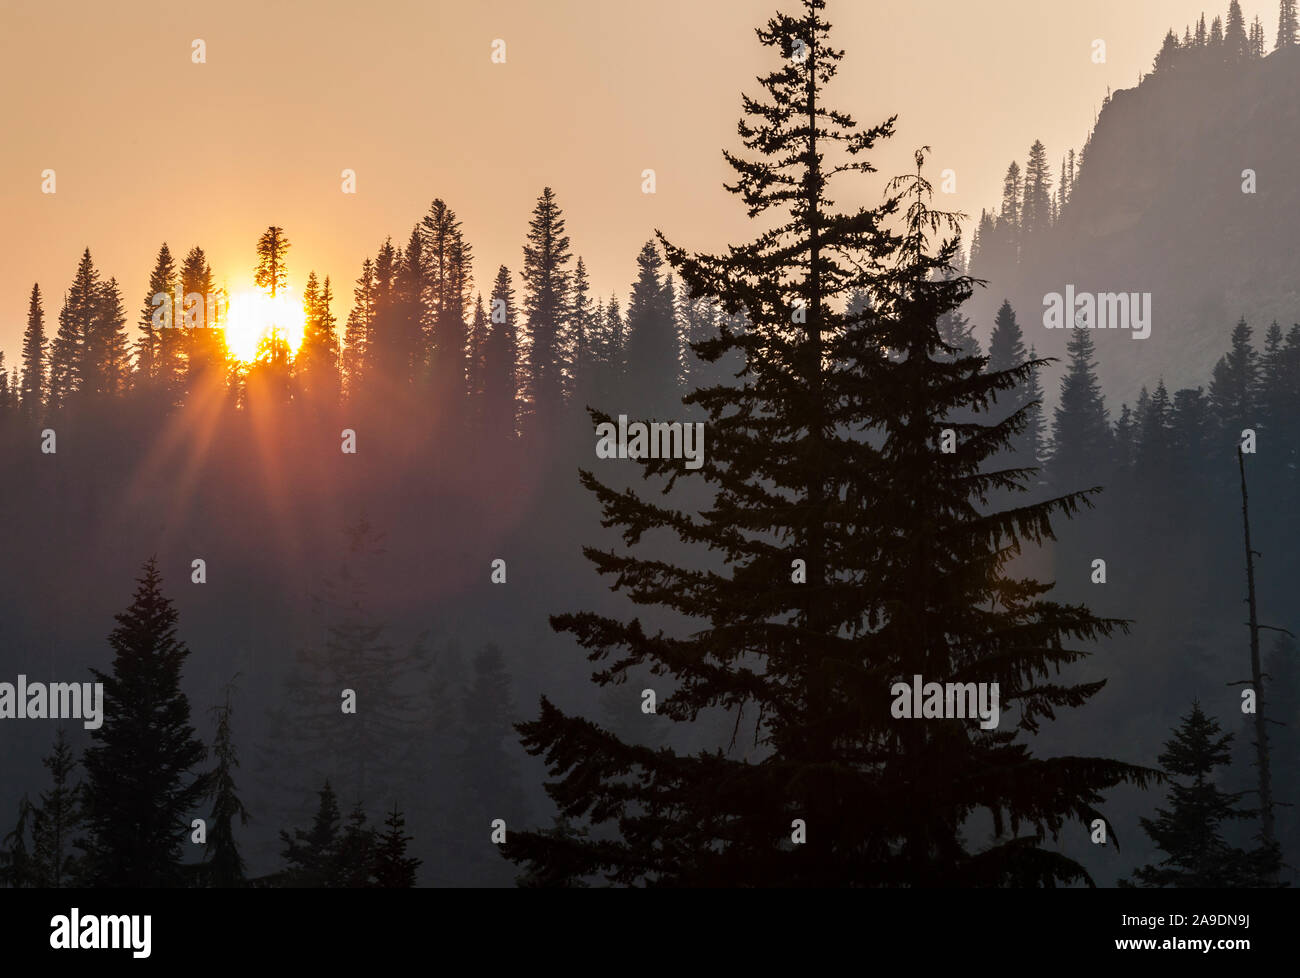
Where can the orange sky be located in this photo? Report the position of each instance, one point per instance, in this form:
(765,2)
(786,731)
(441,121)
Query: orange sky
(150,147)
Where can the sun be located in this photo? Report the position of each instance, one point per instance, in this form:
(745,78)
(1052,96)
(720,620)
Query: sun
(253,315)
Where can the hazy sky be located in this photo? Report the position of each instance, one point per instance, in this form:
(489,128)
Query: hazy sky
(149,147)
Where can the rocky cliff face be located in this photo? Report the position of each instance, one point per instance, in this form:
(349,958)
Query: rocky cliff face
(1159,208)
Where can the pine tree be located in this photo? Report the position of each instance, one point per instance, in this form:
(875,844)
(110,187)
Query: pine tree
(1234,385)
(393,868)
(1034,438)
(1236,45)
(652,352)
(318,359)
(358,333)
(141,785)
(1215,42)
(225,864)
(1189,832)
(411,312)
(156,315)
(613,367)
(108,348)
(69,367)
(579,354)
(500,363)
(354,855)
(33,382)
(271,273)
(56,821)
(1007,352)
(546,301)
(1011,196)
(1154,443)
(204,339)
(478,337)
(1036,214)
(1190,432)
(828,454)
(1279,393)
(1167,57)
(1080,430)
(384,350)
(448,258)
(1288,27)
(311,855)
(1006,344)
(1256,38)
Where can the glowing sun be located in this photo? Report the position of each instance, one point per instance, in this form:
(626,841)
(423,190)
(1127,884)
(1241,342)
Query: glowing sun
(253,316)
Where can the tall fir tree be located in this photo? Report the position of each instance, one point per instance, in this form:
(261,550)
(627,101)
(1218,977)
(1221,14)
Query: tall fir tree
(310,855)
(393,868)
(1236,46)
(1234,386)
(578,344)
(156,315)
(546,302)
(501,363)
(142,778)
(224,863)
(34,346)
(70,369)
(1081,436)
(359,331)
(58,819)
(272,272)
(204,339)
(317,365)
(1190,831)
(1036,213)
(651,354)
(887,533)
(478,337)
(448,257)
(109,348)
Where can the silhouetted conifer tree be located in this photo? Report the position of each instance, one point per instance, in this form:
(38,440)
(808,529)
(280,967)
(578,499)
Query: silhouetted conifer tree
(652,352)
(156,320)
(358,334)
(501,363)
(1234,386)
(69,367)
(579,355)
(1080,430)
(142,783)
(1036,214)
(58,819)
(311,855)
(393,868)
(1190,831)
(224,863)
(546,302)
(447,257)
(272,273)
(33,380)
(898,559)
